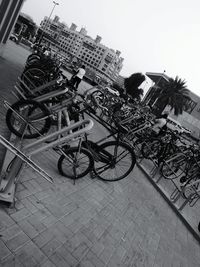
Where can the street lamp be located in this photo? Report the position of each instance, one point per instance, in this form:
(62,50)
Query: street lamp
(54,5)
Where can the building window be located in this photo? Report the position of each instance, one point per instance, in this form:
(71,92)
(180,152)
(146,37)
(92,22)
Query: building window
(190,105)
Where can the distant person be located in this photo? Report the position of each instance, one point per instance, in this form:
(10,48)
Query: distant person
(160,124)
(77,78)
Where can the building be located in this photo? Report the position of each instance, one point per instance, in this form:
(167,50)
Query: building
(190,118)
(25,27)
(120,81)
(77,46)
(9,11)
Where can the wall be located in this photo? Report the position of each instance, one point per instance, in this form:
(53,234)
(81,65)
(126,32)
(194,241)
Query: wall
(9,11)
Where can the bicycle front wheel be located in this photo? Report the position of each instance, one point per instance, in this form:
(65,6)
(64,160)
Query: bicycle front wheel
(76,163)
(116,161)
(28,118)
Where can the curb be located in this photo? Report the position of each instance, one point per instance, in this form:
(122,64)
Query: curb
(181,217)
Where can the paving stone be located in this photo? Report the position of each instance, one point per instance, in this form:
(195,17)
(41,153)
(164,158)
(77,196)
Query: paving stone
(49,220)
(65,254)
(38,204)
(20,215)
(41,214)
(28,229)
(58,260)
(81,251)
(4,251)
(91,257)
(30,253)
(17,241)
(24,193)
(10,232)
(28,204)
(36,223)
(6,221)
(50,247)
(48,263)
(43,238)
(42,194)
(11,261)
(141,257)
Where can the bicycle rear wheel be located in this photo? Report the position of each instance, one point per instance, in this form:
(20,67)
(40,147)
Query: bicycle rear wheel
(28,118)
(75,163)
(116,161)
(33,77)
(174,167)
(151,148)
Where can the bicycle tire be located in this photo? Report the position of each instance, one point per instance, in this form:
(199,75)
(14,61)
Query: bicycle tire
(193,188)
(105,171)
(174,168)
(34,77)
(32,105)
(151,148)
(69,172)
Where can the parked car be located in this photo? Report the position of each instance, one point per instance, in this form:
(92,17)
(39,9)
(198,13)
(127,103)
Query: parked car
(13,37)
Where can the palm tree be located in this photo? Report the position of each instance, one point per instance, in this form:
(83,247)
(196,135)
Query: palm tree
(132,83)
(175,94)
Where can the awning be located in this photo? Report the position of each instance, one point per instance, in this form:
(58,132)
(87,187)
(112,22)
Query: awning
(157,77)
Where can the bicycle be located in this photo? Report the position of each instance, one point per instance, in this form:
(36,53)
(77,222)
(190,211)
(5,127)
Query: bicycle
(37,116)
(109,161)
(183,165)
(160,148)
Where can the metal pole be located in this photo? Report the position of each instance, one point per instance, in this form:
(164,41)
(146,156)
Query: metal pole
(55,4)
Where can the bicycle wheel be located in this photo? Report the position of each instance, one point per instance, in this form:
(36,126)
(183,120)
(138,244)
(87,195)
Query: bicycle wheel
(174,166)
(33,77)
(192,190)
(116,161)
(75,163)
(151,148)
(29,119)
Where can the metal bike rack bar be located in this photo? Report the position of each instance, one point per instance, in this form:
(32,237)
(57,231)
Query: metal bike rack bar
(89,124)
(7,186)
(20,91)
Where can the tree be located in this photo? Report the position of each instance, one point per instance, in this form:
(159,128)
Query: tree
(175,94)
(132,84)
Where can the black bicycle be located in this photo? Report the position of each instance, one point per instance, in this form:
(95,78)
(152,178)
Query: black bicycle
(109,161)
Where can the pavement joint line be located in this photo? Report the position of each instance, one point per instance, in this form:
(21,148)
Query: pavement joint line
(181,217)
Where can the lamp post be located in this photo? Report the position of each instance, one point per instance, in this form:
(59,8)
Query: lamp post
(54,5)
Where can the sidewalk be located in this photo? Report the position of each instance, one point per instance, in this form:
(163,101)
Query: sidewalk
(11,65)
(91,223)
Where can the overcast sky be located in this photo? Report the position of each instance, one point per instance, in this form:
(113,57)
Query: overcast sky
(152,36)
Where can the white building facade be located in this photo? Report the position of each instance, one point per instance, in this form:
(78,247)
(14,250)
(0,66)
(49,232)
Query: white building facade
(106,62)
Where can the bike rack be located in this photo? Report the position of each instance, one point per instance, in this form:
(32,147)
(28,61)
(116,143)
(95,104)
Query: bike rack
(20,90)
(8,183)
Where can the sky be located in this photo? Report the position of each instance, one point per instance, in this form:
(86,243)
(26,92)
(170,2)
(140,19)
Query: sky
(153,36)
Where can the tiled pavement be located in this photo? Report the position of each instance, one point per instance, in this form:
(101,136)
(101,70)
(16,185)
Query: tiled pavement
(92,223)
